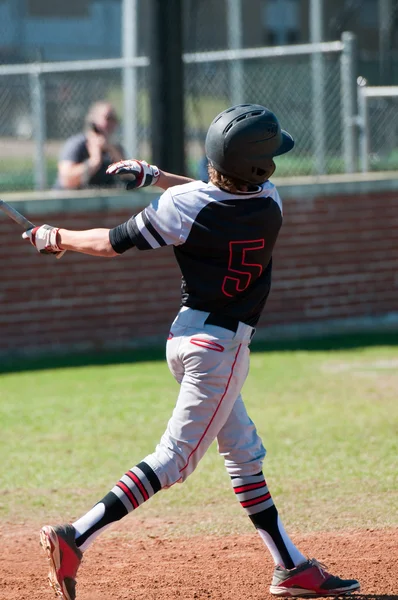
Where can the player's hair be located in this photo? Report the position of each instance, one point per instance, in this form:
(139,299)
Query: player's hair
(225,182)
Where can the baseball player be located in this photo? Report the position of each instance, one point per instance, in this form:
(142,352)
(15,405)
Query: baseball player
(223,233)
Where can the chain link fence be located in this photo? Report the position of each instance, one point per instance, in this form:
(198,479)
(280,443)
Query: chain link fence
(383,134)
(285,84)
(271,22)
(378,124)
(312,93)
(42,104)
(30,162)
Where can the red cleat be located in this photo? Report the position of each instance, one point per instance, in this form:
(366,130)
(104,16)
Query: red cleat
(64,558)
(310,580)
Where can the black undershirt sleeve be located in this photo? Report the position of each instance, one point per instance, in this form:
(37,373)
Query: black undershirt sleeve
(120,238)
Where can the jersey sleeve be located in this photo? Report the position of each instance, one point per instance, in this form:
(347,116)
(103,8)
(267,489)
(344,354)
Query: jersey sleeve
(278,200)
(159,224)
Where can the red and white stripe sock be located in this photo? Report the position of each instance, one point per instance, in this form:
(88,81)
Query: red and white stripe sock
(253,495)
(133,489)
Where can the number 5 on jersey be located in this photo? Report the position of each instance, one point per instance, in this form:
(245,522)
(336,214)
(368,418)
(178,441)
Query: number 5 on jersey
(241,270)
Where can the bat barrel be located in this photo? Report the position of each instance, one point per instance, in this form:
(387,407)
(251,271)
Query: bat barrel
(15,215)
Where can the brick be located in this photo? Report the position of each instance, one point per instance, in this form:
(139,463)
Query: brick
(336,257)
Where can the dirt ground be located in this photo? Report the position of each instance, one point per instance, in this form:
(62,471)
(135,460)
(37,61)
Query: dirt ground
(119,567)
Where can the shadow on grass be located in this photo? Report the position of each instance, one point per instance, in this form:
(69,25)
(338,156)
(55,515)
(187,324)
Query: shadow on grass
(327,343)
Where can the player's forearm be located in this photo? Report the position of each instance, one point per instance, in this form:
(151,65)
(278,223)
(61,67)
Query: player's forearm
(167,180)
(92,241)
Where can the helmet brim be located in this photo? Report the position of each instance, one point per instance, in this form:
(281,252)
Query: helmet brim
(287,143)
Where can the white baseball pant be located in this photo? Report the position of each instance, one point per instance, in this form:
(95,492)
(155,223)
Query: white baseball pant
(211,364)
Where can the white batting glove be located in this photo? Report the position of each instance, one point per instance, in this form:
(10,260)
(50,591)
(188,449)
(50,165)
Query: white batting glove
(44,239)
(142,174)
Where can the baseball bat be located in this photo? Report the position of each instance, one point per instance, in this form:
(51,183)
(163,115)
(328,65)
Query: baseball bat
(21,220)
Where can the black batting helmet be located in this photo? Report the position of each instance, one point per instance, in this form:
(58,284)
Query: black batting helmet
(241,139)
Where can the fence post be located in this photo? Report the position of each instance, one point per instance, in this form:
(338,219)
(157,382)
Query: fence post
(318,87)
(166,85)
(386,32)
(38,108)
(234,24)
(129,44)
(363,122)
(348,100)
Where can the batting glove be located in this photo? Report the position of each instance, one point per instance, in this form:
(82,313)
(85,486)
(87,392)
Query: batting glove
(44,239)
(142,174)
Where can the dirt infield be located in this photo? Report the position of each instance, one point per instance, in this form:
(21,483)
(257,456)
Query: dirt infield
(118,567)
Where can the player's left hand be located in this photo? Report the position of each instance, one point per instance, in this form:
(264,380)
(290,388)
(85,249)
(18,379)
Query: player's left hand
(44,239)
(142,174)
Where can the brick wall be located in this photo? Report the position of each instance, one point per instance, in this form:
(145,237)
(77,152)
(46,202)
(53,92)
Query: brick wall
(336,259)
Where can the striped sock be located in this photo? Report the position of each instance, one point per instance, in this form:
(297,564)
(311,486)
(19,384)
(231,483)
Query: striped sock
(133,489)
(137,486)
(253,495)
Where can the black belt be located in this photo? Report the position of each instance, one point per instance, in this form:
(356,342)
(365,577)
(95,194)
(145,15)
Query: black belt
(223,321)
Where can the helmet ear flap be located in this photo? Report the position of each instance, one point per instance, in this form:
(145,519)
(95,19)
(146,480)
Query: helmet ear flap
(263,174)
(259,172)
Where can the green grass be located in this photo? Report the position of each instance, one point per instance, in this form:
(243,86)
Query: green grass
(327,417)
(18,174)
(17,177)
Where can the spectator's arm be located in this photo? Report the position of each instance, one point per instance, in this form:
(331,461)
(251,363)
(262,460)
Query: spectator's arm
(74,167)
(115,152)
(74,175)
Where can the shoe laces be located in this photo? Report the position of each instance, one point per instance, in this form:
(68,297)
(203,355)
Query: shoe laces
(320,566)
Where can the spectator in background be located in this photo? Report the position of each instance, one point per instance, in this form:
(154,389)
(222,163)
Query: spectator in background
(203,174)
(86,156)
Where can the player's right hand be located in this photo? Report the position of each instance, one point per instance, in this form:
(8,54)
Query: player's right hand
(43,238)
(142,174)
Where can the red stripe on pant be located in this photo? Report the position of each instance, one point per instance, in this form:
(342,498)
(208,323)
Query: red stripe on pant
(215,412)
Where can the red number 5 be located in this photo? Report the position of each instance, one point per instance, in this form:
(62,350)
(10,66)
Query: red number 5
(240,278)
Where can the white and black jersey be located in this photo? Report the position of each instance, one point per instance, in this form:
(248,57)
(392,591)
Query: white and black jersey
(223,243)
